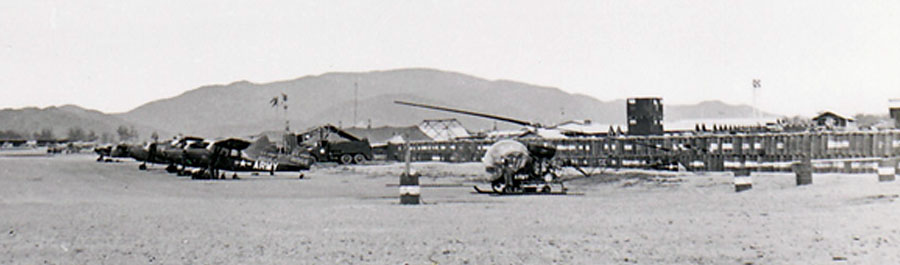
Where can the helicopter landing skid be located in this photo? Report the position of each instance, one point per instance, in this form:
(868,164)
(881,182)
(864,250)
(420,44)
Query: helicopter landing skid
(523,192)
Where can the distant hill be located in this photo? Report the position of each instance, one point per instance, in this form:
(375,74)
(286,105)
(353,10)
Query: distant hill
(709,110)
(242,108)
(59,120)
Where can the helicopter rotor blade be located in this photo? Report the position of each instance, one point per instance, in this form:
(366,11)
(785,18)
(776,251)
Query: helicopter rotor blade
(482,115)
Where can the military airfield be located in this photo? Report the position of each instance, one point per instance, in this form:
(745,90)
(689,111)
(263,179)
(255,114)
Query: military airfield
(447,132)
(111,213)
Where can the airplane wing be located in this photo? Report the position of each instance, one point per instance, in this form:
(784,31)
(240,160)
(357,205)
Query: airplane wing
(233,144)
(191,138)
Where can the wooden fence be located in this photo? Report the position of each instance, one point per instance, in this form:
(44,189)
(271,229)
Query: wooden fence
(830,150)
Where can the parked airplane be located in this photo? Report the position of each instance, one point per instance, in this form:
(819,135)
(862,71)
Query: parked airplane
(208,159)
(240,155)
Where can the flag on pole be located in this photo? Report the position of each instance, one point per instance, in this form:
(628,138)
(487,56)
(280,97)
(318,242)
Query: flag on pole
(274,101)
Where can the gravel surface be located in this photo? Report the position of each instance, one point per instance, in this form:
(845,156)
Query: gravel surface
(73,210)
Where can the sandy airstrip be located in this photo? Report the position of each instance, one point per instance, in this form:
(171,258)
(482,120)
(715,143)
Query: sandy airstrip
(73,210)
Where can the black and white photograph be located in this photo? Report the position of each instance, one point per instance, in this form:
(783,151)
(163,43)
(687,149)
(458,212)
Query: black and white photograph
(449,132)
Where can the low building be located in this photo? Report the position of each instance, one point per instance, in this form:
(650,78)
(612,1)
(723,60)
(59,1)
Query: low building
(894,109)
(585,128)
(830,120)
(380,136)
(444,130)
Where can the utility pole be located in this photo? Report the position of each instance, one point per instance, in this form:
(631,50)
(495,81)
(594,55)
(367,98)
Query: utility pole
(277,102)
(287,121)
(756,85)
(355,101)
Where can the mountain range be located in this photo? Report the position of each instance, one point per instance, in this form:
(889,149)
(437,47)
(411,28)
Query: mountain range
(347,99)
(60,119)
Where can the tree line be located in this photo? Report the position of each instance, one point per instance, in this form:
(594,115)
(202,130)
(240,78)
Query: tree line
(123,133)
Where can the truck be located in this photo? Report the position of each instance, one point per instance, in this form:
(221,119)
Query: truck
(328,143)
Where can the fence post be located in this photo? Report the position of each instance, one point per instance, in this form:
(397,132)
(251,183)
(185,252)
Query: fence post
(409,181)
(887,169)
(803,170)
(742,180)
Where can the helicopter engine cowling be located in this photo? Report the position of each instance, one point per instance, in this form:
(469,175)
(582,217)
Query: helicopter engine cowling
(505,156)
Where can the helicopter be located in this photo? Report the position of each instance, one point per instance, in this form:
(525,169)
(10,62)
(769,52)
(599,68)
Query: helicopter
(518,166)
(515,166)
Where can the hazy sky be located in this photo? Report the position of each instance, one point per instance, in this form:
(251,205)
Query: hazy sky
(116,55)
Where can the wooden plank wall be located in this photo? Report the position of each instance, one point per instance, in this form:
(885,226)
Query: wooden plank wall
(829,150)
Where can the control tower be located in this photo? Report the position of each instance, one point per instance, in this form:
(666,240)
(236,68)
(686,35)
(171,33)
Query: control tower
(645,116)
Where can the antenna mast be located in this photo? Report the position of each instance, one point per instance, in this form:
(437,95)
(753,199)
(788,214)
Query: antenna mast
(355,101)
(277,102)
(756,86)
(287,121)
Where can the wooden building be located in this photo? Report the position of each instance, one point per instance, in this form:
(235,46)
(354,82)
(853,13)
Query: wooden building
(831,120)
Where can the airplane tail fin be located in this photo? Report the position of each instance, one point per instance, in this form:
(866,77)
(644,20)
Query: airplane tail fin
(260,146)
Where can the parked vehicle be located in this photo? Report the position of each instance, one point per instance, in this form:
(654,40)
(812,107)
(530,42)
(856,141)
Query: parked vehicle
(331,144)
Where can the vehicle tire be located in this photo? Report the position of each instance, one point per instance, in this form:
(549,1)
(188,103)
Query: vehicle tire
(346,159)
(142,167)
(546,189)
(359,158)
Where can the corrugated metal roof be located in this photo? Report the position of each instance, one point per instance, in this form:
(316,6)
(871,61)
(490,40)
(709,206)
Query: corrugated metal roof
(443,130)
(381,135)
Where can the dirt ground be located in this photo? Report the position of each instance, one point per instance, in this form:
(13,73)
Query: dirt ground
(70,209)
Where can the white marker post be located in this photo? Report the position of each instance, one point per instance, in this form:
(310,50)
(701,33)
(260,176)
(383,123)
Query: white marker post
(409,181)
(803,170)
(742,180)
(887,169)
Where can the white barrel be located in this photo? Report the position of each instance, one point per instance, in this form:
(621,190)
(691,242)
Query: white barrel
(742,180)
(409,188)
(887,169)
(406,190)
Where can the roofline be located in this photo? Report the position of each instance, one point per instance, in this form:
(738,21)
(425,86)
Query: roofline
(832,113)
